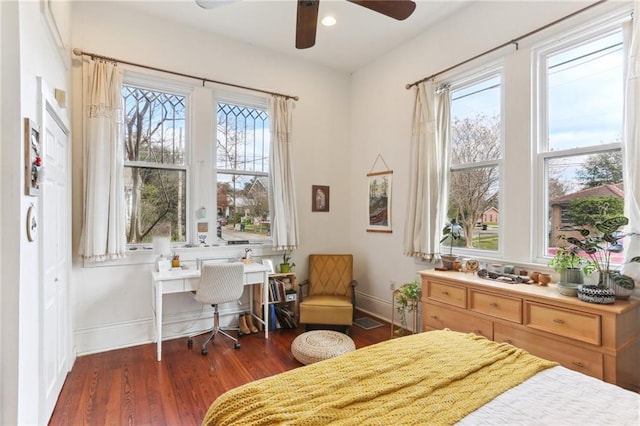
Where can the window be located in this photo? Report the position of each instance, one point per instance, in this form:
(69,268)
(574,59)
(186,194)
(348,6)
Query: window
(242,161)
(581,132)
(155,166)
(476,152)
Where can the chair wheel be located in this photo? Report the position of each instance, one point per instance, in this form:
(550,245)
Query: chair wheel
(204,351)
(190,343)
(237,345)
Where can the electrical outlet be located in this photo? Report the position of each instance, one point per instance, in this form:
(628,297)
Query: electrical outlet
(392,285)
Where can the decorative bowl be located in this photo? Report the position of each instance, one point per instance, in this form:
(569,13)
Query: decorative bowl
(595,294)
(567,289)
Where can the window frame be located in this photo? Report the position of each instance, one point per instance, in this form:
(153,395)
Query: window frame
(563,41)
(461,80)
(173,87)
(248,101)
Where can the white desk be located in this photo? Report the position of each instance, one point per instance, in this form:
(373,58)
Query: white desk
(186,280)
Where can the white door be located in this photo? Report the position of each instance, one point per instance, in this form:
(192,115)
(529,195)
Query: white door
(55,232)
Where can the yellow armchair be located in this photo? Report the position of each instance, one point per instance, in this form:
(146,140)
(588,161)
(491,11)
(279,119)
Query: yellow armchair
(330,295)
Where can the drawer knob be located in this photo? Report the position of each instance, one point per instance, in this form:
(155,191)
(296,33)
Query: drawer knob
(493,305)
(435,317)
(509,341)
(578,364)
(446,293)
(558,321)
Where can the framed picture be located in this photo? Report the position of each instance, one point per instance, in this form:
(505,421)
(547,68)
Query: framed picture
(319,198)
(379,200)
(32,158)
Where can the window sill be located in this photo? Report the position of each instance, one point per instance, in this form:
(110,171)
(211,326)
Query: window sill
(189,255)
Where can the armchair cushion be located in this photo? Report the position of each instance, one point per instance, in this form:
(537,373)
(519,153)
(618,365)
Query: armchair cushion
(326,309)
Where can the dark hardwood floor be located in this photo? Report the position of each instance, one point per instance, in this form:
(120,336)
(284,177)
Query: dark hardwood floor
(129,387)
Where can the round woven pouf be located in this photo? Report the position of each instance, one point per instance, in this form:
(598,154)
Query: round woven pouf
(318,345)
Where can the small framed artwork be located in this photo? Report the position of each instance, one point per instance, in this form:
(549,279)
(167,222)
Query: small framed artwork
(319,198)
(379,200)
(32,158)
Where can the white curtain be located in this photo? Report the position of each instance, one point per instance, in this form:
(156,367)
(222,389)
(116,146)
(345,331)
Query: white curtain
(282,199)
(631,145)
(103,229)
(427,172)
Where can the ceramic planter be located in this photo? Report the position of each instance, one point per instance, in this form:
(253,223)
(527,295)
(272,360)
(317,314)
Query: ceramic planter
(595,294)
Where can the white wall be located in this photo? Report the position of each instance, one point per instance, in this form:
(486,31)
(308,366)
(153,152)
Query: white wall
(342,123)
(28,51)
(113,303)
(381,111)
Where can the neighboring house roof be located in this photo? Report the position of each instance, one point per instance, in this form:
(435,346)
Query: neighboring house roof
(260,184)
(490,209)
(616,190)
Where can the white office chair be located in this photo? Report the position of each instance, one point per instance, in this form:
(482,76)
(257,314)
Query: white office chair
(219,283)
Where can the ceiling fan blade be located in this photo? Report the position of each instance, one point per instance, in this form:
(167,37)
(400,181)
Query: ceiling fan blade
(396,9)
(306,23)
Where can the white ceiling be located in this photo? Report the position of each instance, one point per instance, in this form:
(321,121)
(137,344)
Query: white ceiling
(360,35)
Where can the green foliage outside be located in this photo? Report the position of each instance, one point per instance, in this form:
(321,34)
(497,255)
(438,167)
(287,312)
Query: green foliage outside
(587,212)
(601,169)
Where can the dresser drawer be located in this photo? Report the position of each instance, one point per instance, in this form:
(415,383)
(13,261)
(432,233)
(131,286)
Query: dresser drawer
(581,326)
(569,356)
(447,293)
(436,317)
(508,308)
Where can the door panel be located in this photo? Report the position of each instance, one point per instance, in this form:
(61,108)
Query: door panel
(55,243)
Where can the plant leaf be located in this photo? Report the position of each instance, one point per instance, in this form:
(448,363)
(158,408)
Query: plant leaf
(623,281)
(609,226)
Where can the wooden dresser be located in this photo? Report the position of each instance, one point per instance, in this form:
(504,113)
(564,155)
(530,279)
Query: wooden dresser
(602,341)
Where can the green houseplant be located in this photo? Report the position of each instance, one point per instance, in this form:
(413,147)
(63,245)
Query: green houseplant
(407,298)
(571,266)
(287,264)
(599,247)
(452,231)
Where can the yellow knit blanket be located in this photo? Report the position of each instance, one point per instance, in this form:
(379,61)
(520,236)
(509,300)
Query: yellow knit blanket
(436,378)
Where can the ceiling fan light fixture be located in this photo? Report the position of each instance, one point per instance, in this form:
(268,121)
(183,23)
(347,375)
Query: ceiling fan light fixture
(210,4)
(328,21)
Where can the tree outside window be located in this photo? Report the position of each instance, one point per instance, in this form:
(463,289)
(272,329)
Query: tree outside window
(155,172)
(242,159)
(476,151)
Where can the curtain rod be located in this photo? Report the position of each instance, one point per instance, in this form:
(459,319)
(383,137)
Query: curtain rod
(514,41)
(80,52)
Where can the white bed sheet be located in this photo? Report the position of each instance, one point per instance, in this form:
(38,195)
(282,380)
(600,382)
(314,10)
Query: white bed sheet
(559,396)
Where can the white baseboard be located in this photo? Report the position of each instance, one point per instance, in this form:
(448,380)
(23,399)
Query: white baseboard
(132,333)
(381,308)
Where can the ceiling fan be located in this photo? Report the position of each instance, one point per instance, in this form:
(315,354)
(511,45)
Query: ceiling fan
(307,18)
(307,15)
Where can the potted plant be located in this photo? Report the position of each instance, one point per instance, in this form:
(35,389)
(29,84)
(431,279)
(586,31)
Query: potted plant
(451,231)
(287,264)
(571,266)
(599,247)
(407,298)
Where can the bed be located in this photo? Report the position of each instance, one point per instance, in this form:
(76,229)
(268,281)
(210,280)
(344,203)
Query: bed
(437,377)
